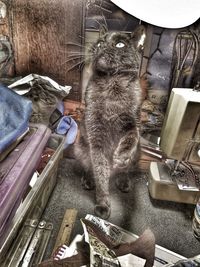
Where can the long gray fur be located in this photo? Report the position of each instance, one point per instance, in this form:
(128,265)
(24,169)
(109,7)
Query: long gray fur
(109,133)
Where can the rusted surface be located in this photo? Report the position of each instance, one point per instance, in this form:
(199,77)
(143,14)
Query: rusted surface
(41,32)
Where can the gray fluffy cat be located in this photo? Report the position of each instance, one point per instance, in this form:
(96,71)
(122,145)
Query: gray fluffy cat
(109,134)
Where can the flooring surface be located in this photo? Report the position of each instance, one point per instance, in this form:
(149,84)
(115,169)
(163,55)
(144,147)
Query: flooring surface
(135,211)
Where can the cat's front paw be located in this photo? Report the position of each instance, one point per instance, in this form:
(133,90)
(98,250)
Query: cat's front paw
(102,210)
(121,160)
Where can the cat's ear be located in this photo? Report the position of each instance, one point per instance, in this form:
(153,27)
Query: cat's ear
(139,36)
(102,30)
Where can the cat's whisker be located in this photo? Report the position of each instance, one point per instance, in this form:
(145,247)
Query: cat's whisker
(101,26)
(125,27)
(76,52)
(93,27)
(71,59)
(107,3)
(103,8)
(106,24)
(80,52)
(75,44)
(74,66)
(76,55)
(82,66)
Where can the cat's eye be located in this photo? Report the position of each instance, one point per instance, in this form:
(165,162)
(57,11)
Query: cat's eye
(120,45)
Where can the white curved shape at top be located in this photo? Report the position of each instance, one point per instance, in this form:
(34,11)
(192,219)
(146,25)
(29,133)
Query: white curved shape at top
(163,13)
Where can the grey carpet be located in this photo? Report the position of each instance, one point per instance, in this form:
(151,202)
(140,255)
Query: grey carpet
(135,211)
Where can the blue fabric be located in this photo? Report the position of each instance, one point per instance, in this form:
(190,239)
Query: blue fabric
(15,111)
(67,126)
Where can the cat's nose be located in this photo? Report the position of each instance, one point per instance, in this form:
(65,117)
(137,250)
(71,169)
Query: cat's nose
(102,60)
(101,63)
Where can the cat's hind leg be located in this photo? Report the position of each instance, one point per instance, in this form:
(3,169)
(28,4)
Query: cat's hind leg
(101,170)
(123,182)
(126,179)
(87,180)
(83,156)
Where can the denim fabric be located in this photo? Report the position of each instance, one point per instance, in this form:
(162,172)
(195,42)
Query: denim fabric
(15,111)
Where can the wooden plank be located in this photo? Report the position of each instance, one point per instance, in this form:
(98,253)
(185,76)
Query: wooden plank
(66,228)
(41,33)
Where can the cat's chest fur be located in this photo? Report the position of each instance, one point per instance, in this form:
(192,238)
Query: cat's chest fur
(112,96)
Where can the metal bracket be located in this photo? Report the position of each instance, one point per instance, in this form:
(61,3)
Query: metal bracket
(30,245)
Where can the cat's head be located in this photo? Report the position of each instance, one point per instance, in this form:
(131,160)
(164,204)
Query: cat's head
(117,52)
